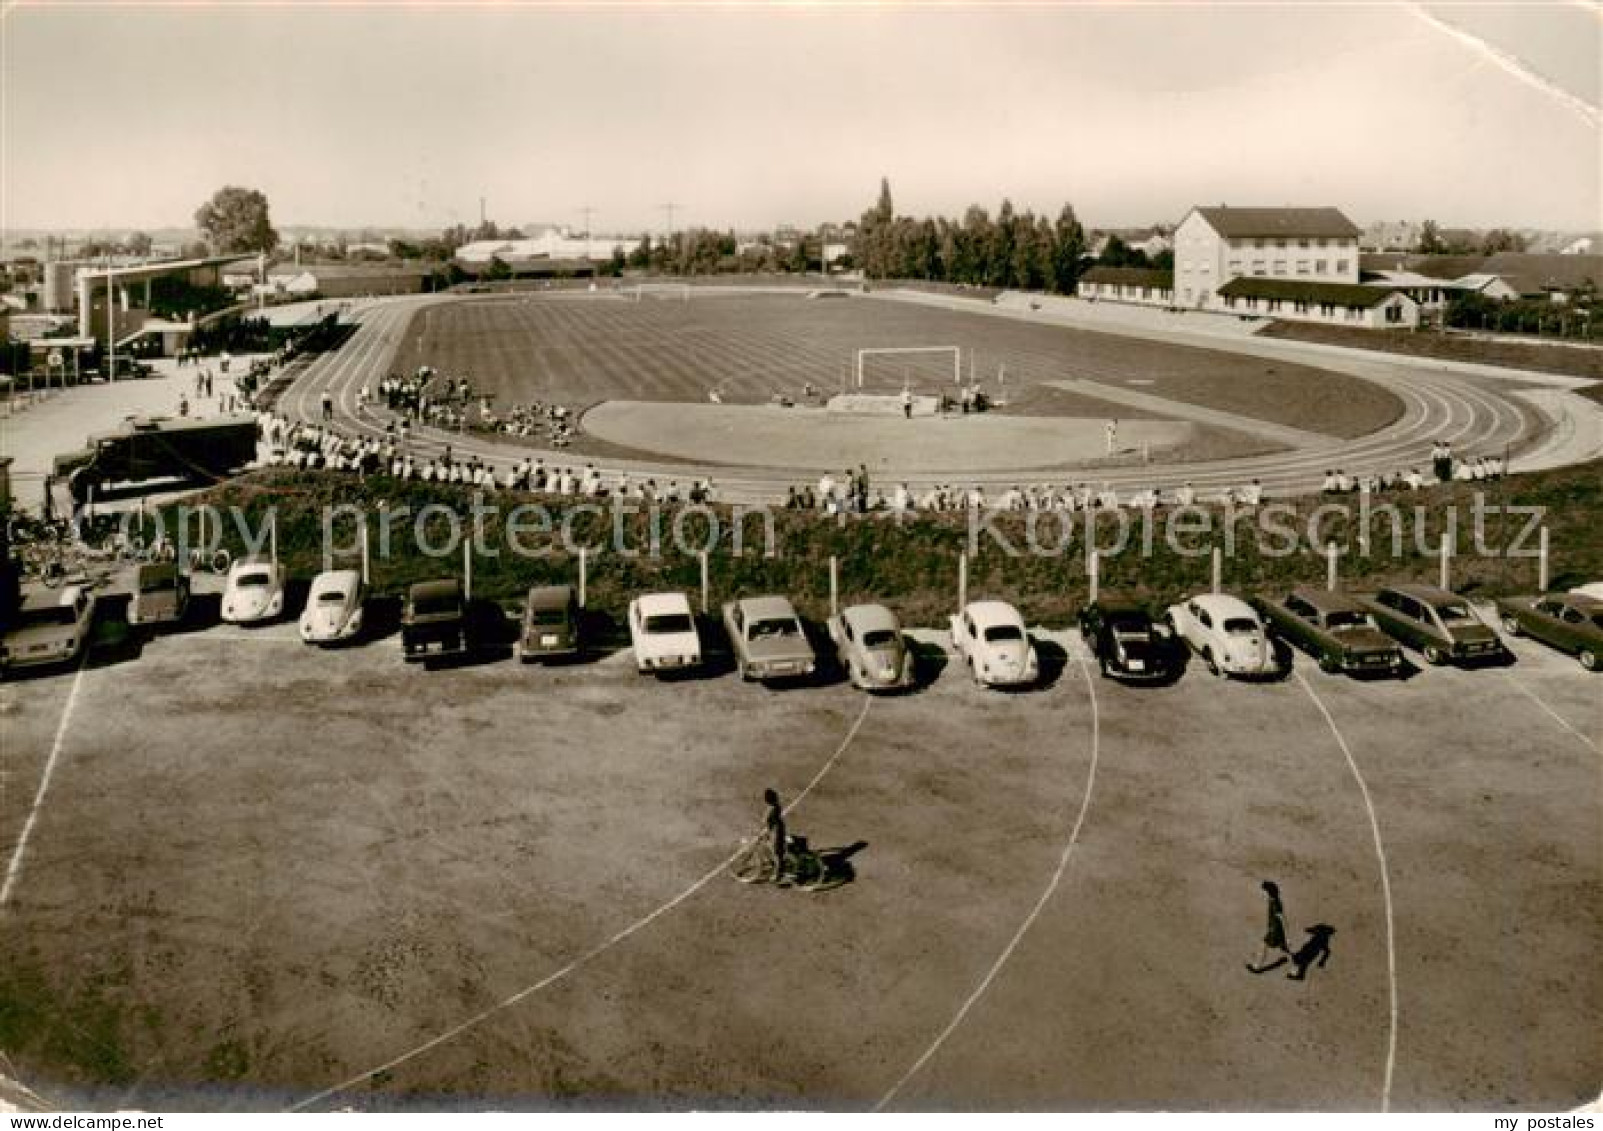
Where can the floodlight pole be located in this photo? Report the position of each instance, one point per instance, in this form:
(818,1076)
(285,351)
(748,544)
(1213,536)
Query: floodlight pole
(111,327)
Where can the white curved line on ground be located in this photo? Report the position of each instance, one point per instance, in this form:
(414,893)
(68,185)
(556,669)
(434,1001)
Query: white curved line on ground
(1532,696)
(1034,913)
(1385,891)
(14,869)
(588,956)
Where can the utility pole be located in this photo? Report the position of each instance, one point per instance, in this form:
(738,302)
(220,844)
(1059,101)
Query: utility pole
(587,212)
(669,209)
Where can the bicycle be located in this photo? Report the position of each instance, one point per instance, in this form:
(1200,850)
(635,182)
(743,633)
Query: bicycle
(804,869)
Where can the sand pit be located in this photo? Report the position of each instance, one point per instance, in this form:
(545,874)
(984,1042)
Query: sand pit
(816,440)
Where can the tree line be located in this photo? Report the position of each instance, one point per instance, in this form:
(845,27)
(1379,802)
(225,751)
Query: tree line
(1016,249)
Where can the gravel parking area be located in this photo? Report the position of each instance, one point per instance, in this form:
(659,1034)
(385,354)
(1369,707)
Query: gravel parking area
(264,875)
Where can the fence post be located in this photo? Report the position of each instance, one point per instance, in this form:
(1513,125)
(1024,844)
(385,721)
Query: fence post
(1542,576)
(704,583)
(367,571)
(584,573)
(1093,569)
(467,570)
(1218,570)
(834,585)
(272,526)
(1446,567)
(962,580)
(1330,566)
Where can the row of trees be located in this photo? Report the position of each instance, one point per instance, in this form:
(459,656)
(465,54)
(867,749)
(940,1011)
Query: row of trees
(1016,249)
(1582,317)
(1433,241)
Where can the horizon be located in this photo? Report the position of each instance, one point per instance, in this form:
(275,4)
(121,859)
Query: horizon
(1475,117)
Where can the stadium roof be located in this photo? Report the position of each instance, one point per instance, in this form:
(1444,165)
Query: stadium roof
(1235,223)
(1337,294)
(160,268)
(1131,276)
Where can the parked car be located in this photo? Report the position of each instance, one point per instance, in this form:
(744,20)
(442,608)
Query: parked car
(551,626)
(254,592)
(1334,629)
(160,596)
(662,631)
(768,639)
(434,621)
(52,626)
(1571,623)
(869,641)
(333,610)
(1591,589)
(990,637)
(1126,643)
(1226,633)
(1441,625)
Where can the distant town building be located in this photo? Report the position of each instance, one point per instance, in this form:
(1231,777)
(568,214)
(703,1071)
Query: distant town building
(548,248)
(1391,235)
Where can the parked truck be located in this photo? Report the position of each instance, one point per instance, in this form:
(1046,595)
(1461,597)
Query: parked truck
(158,447)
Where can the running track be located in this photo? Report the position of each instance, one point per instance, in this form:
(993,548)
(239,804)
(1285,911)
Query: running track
(1475,418)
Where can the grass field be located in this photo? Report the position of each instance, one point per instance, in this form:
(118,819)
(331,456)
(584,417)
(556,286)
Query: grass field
(578,351)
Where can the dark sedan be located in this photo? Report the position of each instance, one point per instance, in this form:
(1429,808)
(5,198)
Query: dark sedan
(1570,622)
(1126,642)
(1335,630)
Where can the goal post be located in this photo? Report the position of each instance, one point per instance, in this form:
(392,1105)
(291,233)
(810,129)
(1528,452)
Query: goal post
(956,353)
(680,291)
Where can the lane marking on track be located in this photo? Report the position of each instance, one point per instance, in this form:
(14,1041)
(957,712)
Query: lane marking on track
(588,956)
(1385,891)
(1558,718)
(1034,913)
(14,869)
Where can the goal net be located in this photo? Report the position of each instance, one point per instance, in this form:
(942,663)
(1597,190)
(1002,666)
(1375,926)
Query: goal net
(931,370)
(678,291)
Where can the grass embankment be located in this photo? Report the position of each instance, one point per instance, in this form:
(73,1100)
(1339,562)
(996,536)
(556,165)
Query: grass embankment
(1539,357)
(912,564)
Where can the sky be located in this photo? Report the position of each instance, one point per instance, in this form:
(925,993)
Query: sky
(129,115)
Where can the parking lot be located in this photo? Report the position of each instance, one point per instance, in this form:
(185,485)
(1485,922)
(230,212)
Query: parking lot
(264,875)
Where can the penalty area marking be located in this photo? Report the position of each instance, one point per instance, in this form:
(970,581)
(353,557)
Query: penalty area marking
(14,869)
(1558,718)
(1385,891)
(1035,912)
(588,956)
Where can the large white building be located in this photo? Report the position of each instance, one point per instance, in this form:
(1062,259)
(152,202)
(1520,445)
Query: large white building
(1215,245)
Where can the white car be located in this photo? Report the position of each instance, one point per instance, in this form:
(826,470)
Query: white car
(869,641)
(1226,632)
(662,631)
(52,626)
(1592,589)
(254,593)
(333,607)
(990,637)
